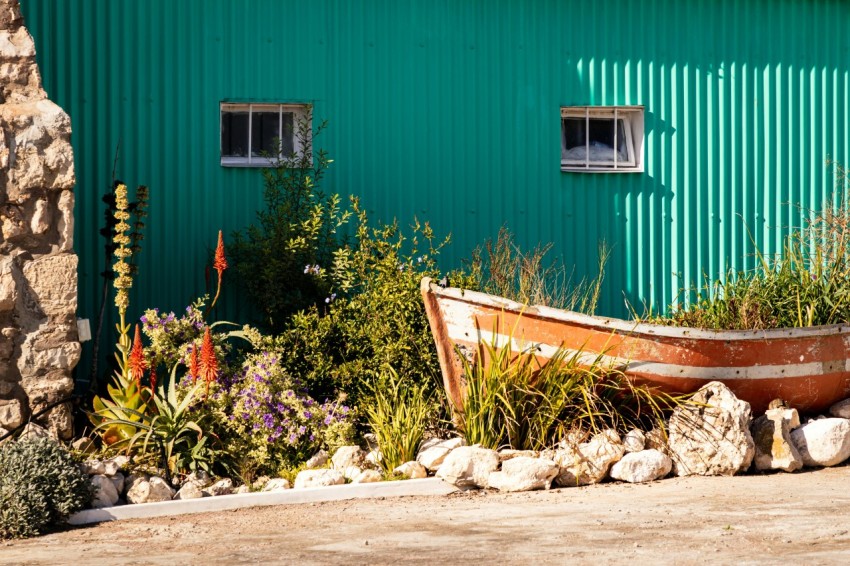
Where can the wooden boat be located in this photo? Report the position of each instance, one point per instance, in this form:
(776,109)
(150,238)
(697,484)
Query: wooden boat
(807,367)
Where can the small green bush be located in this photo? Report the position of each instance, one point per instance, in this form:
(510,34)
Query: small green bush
(398,415)
(373,318)
(808,284)
(297,227)
(40,487)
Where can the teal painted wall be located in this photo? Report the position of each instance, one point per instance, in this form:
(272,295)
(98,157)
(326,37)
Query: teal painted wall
(449,110)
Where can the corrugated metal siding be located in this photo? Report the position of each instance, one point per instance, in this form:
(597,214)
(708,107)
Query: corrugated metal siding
(449,110)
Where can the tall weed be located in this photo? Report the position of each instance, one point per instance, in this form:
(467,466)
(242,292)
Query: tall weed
(504,269)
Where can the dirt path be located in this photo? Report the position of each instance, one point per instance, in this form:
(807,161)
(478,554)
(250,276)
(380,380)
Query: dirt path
(790,518)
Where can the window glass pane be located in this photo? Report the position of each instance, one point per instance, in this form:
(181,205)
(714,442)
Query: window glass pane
(287,143)
(234,134)
(574,136)
(622,146)
(264,132)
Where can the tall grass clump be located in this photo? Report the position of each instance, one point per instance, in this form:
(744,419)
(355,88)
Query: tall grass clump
(504,269)
(512,400)
(808,284)
(398,415)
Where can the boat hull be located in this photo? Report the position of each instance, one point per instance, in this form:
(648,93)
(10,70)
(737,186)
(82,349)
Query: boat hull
(807,367)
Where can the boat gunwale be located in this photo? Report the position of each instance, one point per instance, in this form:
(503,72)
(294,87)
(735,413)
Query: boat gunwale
(631,328)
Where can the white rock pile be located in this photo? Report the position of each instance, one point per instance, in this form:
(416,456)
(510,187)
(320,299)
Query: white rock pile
(713,435)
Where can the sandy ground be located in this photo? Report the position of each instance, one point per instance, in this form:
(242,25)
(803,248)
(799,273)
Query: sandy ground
(801,518)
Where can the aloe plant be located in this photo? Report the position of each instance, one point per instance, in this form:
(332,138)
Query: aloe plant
(124,409)
(173,428)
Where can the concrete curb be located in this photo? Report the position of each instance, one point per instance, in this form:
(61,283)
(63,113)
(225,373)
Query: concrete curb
(426,486)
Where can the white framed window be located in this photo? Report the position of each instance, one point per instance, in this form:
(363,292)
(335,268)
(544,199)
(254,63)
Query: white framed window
(252,132)
(602,138)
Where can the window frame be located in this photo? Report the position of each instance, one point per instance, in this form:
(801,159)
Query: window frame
(299,112)
(632,118)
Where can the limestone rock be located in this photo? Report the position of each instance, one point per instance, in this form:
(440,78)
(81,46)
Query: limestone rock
(588,463)
(346,456)
(433,452)
(65,222)
(823,442)
(711,437)
(143,490)
(771,434)
(85,445)
(242,489)
(368,476)
(118,480)
(524,474)
(221,487)
(93,467)
(277,484)
(374,457)
(318,478)
(643,466)
(634,441)
(318,460)
(190,490)
(11,414)
(160,490)
(840,409)
(105,493)
(656,439)
(33,430)
(111,466)
(469,466)
(8,287)
(506,454)
(199,477)
(352,472)
(413,470)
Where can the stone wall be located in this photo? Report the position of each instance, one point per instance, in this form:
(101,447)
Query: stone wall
(38,268)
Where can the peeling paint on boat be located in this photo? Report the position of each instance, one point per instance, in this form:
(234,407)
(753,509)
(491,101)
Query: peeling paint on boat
(808,367)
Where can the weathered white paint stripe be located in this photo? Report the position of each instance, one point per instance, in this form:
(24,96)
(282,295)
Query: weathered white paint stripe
(459,333)
(461,299)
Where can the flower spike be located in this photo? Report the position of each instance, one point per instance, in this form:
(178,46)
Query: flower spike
(136,362)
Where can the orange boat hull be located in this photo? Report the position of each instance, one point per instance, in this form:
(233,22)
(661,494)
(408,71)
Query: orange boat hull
(807,367)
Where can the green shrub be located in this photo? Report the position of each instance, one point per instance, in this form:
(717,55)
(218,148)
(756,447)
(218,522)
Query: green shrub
(40,486)
(374,317)
(512,400)
(808,284)
(398,415)
(298,227)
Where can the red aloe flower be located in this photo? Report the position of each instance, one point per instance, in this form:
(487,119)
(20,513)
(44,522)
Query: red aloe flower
(209,363)
(220,262)
(193,363)
(153,380)
(136,363)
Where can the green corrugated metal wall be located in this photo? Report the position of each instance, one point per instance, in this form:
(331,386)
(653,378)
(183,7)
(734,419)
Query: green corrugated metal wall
(449,110)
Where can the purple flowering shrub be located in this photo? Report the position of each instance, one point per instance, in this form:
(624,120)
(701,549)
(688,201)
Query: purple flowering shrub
(171,338)
(267,417)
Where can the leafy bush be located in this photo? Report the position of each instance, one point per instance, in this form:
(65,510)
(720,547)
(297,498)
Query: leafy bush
(298,227)
(808,284)
(269,420)
(40,486)
(501,268)
(398,415)
(512,400)
(375,319)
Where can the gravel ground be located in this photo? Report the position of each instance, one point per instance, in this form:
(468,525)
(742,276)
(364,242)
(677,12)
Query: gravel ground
(801,518)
